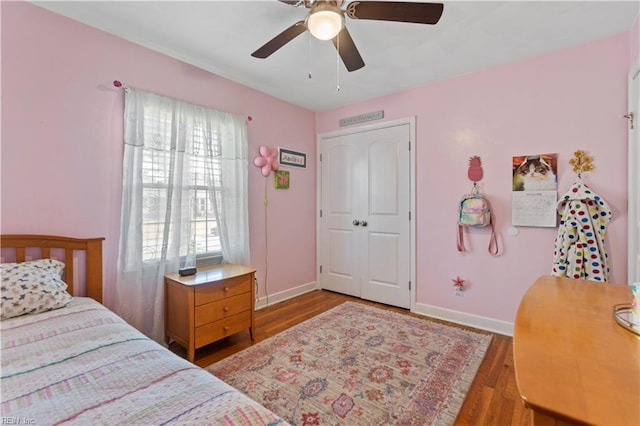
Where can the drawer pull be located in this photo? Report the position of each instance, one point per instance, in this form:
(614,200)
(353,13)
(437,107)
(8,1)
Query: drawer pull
(226,309)
(225,328)
(226,289)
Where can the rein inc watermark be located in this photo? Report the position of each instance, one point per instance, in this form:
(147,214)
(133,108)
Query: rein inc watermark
(17,420)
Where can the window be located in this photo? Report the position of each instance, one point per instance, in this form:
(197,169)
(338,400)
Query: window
(203,181)
(184,190)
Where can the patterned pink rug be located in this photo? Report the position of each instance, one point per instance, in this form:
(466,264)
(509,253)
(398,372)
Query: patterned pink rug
(360,365)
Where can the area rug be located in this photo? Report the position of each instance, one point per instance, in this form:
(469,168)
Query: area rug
(360,365)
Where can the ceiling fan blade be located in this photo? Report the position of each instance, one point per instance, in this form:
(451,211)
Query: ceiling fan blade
(292,2)
(348,50)
(295,2)
(280,40)
(418,13)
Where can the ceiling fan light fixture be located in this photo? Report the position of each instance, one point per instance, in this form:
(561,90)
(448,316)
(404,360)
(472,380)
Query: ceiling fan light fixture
(325,21)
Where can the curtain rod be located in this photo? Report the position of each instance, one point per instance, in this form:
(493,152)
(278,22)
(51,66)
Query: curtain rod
(118,84)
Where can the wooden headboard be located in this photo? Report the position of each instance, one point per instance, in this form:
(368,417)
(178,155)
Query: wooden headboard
(45,243)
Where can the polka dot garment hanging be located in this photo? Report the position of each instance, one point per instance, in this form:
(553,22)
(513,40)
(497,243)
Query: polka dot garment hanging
(580,245)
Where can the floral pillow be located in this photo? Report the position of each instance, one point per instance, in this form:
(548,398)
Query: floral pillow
(32,287)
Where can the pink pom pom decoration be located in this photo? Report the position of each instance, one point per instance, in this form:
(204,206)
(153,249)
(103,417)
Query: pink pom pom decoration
(266,161)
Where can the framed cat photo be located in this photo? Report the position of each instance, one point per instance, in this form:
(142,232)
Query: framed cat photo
(535,172)
(534,190)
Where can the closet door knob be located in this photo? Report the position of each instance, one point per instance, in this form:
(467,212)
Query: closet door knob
(363,223)
(356,222)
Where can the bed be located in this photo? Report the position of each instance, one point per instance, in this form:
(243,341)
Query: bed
(73,361)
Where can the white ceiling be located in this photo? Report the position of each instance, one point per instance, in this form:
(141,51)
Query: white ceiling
(219,36)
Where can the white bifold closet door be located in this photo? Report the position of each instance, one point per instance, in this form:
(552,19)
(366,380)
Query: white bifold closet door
(364,232)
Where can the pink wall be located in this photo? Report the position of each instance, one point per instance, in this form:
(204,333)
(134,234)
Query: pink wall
(559,102)
(62,139)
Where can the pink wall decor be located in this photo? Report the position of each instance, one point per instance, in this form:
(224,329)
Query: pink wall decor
(266,160)
(458,283)
(474,173)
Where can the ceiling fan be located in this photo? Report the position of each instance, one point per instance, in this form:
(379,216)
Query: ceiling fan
(325,21)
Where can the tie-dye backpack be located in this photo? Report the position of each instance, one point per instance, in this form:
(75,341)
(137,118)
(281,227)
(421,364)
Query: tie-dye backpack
(474,210)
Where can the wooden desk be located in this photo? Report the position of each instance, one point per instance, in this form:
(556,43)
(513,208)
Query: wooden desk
(573,362)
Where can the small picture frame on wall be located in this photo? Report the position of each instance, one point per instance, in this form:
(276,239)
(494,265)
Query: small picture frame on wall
(281,179)
(287,157)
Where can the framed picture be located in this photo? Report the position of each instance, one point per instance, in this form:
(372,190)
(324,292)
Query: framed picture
(286,157)
(281,179)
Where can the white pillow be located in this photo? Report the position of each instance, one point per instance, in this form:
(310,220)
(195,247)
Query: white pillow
(32,287)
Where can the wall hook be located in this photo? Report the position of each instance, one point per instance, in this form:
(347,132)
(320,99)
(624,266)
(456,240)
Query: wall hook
(581,162)
(475,169)
(458,283)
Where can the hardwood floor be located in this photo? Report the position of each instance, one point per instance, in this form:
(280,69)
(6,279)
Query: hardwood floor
(492,400)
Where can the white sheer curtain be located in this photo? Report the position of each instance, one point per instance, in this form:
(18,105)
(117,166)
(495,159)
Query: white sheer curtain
(170,148)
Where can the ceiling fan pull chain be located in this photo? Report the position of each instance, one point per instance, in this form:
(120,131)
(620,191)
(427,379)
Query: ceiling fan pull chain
(338,63)
(309,53)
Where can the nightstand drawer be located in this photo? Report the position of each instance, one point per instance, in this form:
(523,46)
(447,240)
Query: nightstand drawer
(230,287)
(224,308)
(220,329)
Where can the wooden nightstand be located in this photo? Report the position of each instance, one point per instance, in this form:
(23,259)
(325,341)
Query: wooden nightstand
(216,302)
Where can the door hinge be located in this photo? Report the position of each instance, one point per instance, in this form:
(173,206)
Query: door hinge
(409,285)
(630,118)
(320,212)
(320,268)
(409,145)
(320,157)
(409,215)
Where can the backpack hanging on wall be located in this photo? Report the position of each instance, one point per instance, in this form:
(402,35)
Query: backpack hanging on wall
(474,210)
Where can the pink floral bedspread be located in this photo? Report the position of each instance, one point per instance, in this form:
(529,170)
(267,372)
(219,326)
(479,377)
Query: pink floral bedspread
(83,364)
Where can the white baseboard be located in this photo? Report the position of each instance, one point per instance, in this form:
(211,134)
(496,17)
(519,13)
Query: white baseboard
(470,320)
(462,318)
(285,295)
